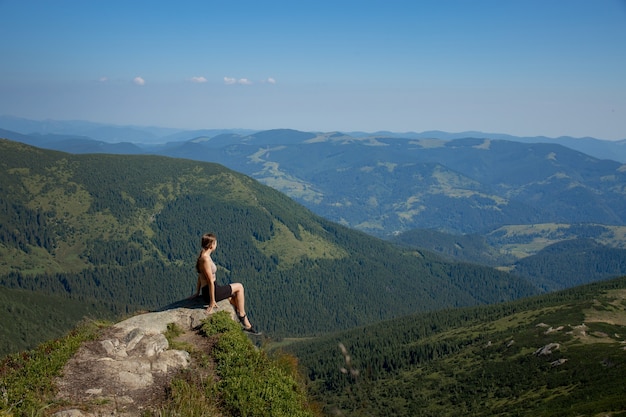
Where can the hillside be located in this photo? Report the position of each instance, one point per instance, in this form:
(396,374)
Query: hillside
(552,256)
(388,183)
(181,361)
(571,263)
(560,354)
(29,317)
(123,231)
(383,185)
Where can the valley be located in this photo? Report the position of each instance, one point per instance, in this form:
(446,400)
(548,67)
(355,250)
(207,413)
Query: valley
(443,265)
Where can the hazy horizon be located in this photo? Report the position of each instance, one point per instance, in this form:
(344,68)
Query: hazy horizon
(521,68)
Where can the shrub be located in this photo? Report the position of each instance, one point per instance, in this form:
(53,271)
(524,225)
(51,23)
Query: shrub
(27,378)
(251,383)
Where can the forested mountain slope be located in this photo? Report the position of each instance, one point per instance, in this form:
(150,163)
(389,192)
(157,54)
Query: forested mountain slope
(571,263)
(559,354)
(552,256)
(28,317)
(383,185)
(124,231)
(387,183)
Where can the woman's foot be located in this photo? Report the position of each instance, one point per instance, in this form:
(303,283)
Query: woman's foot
(247,326)
(252,330)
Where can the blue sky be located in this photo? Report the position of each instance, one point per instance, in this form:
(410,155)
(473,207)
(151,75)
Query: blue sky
(527,67)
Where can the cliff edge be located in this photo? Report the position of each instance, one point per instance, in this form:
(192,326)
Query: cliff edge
(128,369)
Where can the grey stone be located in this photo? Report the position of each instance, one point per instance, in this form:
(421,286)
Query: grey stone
(128,359)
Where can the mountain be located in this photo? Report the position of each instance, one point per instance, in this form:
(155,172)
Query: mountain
(560,354)
(553,256)
(78,144)
(598,148)
(124,230)
(187,135)
(572,262)
(95,131)
(474,248)
(601,149)
(387,185)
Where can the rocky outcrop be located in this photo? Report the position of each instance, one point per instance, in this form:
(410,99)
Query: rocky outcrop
(547,349)
(126,371)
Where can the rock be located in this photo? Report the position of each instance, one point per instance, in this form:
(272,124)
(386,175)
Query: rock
(558,362)
(125,371)
(547,349)
(552,329)
(69,413)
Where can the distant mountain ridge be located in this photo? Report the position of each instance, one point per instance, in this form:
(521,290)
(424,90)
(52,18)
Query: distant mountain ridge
(384,185)
(599,148)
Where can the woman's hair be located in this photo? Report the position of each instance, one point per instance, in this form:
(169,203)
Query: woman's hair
(208,239)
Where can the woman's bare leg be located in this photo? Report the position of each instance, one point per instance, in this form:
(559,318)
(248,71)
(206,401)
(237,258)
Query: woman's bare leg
(238,299)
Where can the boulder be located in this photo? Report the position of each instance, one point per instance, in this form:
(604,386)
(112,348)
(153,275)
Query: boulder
(547,349)
(127,367)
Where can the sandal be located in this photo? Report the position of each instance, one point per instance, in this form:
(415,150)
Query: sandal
(251,329)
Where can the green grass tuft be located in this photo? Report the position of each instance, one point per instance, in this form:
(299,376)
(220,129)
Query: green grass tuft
(27,378)
(250,383)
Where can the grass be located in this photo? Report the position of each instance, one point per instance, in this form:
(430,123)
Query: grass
(496,370)
(250,382)
(233,378)
(289,249)
(236,378)
(525,240)
(172,332)
(27,378)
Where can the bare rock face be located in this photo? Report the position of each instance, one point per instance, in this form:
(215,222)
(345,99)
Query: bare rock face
(126,371)
(547,349)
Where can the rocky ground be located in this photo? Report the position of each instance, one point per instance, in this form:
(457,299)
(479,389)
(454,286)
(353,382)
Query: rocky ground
(128,370)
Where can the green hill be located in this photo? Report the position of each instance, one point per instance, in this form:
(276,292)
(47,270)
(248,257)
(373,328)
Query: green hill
(383,185)
(552,256)
(29,316)
(467,248)
(559,354)
(123,232)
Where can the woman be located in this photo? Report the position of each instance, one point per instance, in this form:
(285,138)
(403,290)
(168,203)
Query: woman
(211,292)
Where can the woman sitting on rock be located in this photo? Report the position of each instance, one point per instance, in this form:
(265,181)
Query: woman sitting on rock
(211,291)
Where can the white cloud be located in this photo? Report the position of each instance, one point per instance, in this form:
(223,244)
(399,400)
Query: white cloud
(103,79)
(139,81)
(241,81)
(270,80)
(198,80)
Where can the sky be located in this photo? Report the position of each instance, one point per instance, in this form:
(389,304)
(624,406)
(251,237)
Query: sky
(520,67)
